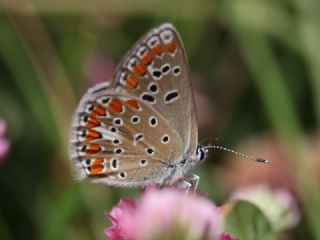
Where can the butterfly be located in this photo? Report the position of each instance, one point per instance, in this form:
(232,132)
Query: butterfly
(140,129)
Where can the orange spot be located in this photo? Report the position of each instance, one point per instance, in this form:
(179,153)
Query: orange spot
(92,135)
(93,148)
(97,170)
(158,49)
(147,59)
(133,104)
(131,82)
(139,69)
(97,162)
(171,46)
(99,110)
(115,105)
(96,167)
(92,122)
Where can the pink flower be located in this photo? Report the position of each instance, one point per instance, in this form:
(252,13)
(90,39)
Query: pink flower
(165,214)
(226,236)
(4,143)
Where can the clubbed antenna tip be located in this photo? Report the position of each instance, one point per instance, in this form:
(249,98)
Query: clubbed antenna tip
(260,160)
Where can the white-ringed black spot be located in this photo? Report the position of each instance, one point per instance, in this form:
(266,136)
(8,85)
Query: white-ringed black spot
(165,139)
(114,164)
(171,96)
(83,133)
(135,119)
(122,175)
(143,162)
(118,151)
(176,71)
(156,74)
(153,87)
(113,129)
(117,121)
(150,150)
(90,107)
(116,141)
(149,98)
(166,36)
(153,121)
(166,68)
(138,137)
(103,100)
(132,62)
(154,41)
(88,162)
(85,118)
(83,148)
(141,51)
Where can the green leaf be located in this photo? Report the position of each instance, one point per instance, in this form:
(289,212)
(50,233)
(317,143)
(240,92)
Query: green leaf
(246,221)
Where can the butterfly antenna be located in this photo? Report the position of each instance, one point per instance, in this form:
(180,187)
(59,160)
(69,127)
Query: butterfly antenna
(260,160)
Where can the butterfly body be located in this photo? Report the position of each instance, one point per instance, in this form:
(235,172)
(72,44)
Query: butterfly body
(140,128)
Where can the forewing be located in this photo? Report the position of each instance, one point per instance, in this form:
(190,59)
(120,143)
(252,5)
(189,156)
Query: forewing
(155,71)
(120,140)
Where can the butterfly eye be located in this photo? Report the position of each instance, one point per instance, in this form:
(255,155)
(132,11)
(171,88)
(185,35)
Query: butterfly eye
(201,153)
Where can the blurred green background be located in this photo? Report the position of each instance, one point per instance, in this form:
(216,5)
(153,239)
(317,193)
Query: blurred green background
(255,67)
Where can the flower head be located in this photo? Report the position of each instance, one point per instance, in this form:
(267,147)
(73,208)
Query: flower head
(278,205)
(163,214)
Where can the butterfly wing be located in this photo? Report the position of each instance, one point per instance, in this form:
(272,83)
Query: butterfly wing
(134,131)
(120,140)
(155,70)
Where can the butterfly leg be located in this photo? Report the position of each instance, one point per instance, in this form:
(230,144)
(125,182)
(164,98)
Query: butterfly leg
(185,185)
(193,180)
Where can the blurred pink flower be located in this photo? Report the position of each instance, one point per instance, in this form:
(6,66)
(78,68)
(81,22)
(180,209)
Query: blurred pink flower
(278,205)
(226,236)
(165,213)
(99,68)
(4,143)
